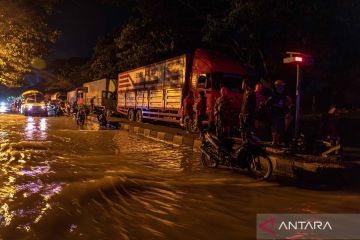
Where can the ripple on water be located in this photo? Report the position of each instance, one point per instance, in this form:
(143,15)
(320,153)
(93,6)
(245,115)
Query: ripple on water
(58,181)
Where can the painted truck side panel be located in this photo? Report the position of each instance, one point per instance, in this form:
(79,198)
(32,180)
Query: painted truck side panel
(154,87)
(156,91)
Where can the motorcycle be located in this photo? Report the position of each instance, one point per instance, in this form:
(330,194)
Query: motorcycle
(80,117)
(101,118)
(254,158)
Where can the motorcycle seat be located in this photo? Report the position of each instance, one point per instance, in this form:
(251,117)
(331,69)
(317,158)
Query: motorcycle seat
(227,143)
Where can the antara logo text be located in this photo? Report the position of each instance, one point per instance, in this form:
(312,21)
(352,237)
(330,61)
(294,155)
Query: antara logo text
(305,225)
(270,225)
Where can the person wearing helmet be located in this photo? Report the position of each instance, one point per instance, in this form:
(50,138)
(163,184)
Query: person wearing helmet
(260,99)
(223,114)
(278,109)
(201,112)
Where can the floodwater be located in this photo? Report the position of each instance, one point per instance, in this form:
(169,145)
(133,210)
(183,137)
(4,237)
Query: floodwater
(59,181)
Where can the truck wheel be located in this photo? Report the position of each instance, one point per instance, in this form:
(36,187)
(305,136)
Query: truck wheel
(131,115)
(139,116)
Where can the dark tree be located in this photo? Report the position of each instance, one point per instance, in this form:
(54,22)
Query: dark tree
(25,38)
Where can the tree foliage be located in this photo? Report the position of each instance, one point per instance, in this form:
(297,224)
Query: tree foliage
(104,61)
(24,39)
(64,74)
(139,43)
(258,33)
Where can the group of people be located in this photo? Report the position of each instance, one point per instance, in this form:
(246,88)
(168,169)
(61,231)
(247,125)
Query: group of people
(258,114)
(80,110)
(79,103)
(16,106)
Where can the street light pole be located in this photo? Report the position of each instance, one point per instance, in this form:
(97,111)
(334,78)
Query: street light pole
(298,59)
(298,100)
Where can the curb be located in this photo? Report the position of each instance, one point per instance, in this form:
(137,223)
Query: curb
(283,166)
(163,136)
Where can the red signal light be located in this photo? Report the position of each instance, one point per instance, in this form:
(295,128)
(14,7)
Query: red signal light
(298,59)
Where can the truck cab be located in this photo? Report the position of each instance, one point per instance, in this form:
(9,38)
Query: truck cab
(33,104)
(210,72)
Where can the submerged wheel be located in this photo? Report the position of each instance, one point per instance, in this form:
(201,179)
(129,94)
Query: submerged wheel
(193,126)
(139,116)
(131,115)
(80,121)
(208,161)
(260,167)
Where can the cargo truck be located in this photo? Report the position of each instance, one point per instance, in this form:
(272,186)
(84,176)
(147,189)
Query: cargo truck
(71,96)
(99,90)
(102,91)
(156,91)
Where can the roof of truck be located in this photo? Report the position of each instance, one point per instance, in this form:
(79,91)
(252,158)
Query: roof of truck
(31,92)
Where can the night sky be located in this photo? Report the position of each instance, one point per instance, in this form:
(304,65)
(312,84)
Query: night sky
(81,22)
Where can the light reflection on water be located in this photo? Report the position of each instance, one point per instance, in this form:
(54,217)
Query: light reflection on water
(36,129)
(18,163)
(59,180)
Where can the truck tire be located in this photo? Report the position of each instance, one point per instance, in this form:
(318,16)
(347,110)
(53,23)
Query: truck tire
(139,116)
(131,115)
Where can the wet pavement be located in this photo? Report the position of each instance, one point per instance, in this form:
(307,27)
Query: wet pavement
(61,181)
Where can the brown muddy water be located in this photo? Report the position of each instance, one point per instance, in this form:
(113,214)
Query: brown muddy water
(59,181)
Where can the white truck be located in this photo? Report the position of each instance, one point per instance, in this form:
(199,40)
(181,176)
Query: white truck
(100,90)
(71,96)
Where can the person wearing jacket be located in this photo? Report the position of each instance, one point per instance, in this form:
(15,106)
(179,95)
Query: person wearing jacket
(223,114)
(278,109)
(201,112)
(247,113)
(189,110)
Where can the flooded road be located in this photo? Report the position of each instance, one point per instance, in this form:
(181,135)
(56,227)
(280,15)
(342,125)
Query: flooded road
(58,181)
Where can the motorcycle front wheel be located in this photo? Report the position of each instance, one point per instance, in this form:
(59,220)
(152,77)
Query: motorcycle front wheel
(260,167)
(208,161)
(80,122)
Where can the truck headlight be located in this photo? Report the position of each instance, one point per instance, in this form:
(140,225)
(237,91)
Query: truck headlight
(43,107)
(29,107)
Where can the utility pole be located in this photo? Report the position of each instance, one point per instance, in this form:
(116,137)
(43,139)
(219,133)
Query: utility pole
(298,100)
(299,59)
